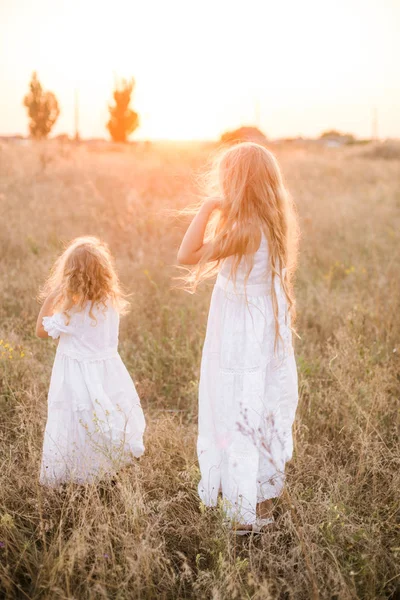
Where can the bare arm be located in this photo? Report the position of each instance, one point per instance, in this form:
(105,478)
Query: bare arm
(45,311)
(192,248)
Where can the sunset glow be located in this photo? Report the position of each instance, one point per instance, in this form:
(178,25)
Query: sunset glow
(204,67)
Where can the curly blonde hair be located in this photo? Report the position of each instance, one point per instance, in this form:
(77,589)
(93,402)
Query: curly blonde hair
(84,273)
(254,199)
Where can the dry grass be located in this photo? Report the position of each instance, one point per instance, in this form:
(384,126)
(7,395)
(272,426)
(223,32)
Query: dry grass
(337,533)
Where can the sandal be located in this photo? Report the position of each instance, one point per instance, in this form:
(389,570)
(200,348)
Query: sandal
(258,527)
(236,528)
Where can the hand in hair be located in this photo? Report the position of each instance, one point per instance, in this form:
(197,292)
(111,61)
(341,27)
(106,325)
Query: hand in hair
(193,248)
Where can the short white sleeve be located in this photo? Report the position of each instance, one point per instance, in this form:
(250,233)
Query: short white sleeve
(55,325)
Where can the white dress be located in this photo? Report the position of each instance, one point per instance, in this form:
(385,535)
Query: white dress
(248,392)
(95,422)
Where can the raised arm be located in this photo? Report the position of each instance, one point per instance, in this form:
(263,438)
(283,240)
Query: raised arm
(193,247)
(45,311)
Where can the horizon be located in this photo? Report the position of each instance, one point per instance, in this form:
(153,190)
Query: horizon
(200,70)
(136,138)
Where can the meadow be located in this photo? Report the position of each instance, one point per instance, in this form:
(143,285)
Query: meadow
(337,533)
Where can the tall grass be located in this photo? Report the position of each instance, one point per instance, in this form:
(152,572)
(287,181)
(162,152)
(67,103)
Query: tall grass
(337,527)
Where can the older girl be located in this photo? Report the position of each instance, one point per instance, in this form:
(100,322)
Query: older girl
(248,383)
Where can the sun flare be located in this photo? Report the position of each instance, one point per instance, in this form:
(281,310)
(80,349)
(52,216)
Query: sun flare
(202,68)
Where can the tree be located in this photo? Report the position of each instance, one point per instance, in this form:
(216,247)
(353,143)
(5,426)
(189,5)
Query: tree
(338,136)
(123,120)
(244,134)
(43,109)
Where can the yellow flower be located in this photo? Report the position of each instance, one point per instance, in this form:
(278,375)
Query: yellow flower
(7,520)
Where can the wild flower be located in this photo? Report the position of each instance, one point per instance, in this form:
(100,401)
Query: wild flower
(6,520)
(8,352)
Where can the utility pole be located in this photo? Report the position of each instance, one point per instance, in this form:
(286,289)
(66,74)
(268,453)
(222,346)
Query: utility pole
(374,128)
(257,113)
(76,116)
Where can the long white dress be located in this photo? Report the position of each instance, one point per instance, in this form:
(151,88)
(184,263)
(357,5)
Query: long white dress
(248,392)
(95,422)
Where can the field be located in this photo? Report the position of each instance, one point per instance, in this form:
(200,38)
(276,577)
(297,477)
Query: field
(337,534)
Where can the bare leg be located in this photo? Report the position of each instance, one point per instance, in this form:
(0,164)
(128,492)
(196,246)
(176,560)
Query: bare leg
(264,509)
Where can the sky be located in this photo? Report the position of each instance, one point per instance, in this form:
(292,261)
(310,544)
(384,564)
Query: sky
(293,67)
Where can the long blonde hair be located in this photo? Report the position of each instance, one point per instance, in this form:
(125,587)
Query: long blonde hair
(254,200)
(84,273)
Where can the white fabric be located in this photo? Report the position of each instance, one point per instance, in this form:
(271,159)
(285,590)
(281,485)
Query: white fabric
(248,392)
(95,422)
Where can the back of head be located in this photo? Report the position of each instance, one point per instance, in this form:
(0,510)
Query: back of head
(83,274)
(248,179)
(250,182)
(254,202)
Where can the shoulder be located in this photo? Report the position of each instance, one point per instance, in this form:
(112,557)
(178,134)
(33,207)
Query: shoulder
(101,311)
(106,312)
(263,244)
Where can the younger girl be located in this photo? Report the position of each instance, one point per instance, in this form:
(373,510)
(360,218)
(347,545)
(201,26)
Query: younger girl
(95,423)
(248,382)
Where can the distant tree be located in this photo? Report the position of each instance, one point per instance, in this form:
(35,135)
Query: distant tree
(123,120)
(333,134)
(43,109)
(244,134)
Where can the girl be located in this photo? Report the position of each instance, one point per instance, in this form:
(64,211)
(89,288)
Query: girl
(248,382)
(95,422)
